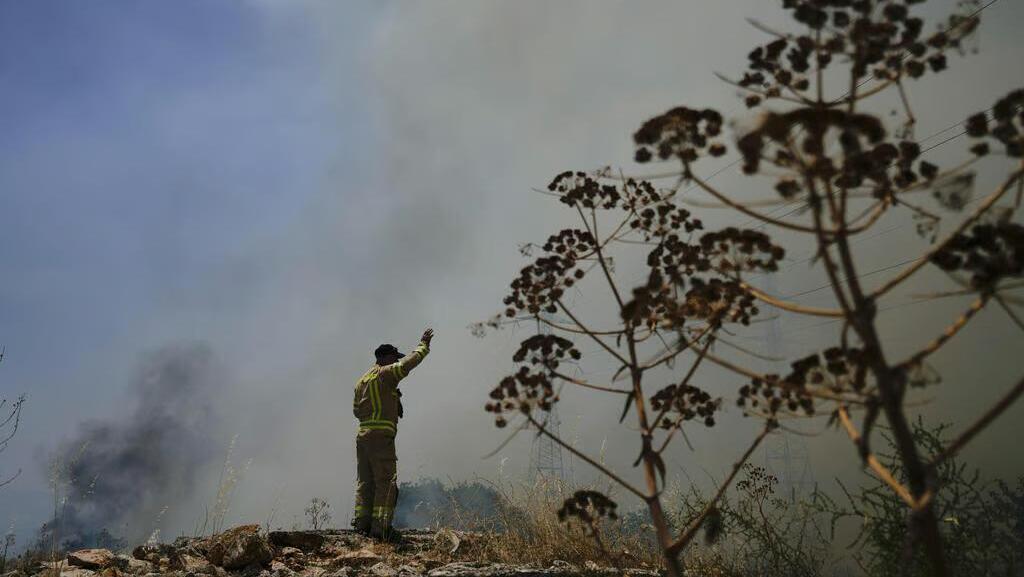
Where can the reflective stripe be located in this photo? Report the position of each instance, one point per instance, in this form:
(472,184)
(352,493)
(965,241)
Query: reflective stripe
(400,370)
(383,513)
(377,425)
(375,397)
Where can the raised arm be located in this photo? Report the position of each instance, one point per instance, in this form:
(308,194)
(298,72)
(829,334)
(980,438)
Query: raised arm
(407,363)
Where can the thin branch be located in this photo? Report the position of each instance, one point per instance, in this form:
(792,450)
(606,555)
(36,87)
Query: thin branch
(587,385)
(751,213)
(938,247)
(11,479)
(611,475)
(1009,311)
(948,333)
(695,525)
(507,440)
(979,425)
(789,306)
(683,383)
(561,327)
(883,473)
(592,335)
(800,99)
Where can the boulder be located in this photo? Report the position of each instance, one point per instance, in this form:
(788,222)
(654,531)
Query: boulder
(304,540)
(240,547)
(382,569)
(194,564)
(92,558)
(359,558)
(134,566)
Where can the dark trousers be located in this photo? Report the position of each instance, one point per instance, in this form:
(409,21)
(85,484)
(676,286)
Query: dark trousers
(376,481)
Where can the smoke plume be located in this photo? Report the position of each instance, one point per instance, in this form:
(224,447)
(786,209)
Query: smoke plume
(119,475)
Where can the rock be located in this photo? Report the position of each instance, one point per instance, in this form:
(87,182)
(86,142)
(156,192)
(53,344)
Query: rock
(239,548)
(66,572)
(342,572)
(383,570)
(304,540)
(358,558)
(154,552)
(92,558)
(312,572)
(410,571)
(253,570)
(134,566)
(291,552)
(449,538)
(484,569)
(194,564)
(279,569)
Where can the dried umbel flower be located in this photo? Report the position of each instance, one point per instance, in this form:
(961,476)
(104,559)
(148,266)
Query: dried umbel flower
(1006,127)
(541,283)
(883,39)
(989,253)
(835,370)
(758,483)
(589,507)
(733,250)
(806,128)
(546,350)
(528,389)
(521,392)
(682,133)
(687,402)
(579,189)
(883,167)
(719,300)
(662,220)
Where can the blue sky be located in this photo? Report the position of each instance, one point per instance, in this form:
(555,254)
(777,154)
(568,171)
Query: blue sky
(293,183)
(149,152)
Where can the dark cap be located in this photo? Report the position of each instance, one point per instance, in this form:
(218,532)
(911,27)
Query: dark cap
(385,350)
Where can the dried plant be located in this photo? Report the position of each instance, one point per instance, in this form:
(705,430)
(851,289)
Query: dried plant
(229,477)
(845,170)
(318,513)
(10,419)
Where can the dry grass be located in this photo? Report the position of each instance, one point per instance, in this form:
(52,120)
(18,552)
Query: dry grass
(525,528)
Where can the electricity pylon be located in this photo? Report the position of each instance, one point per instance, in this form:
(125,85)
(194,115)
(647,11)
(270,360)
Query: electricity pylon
(785,454)
(546,457)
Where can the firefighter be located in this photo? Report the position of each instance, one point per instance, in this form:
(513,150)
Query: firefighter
(378,406)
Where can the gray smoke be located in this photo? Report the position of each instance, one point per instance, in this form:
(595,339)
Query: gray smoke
(120,474)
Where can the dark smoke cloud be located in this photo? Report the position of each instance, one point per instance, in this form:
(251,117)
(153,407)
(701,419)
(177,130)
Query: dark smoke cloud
(121,474)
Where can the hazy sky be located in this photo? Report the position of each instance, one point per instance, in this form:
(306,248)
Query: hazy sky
(292,183)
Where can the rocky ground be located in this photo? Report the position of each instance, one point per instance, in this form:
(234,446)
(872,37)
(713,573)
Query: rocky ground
(247,551)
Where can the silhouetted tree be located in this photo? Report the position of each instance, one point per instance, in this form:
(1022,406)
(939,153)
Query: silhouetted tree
(847,170)
(10,419)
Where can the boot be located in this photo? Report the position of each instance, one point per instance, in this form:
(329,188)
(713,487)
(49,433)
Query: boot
(387,535)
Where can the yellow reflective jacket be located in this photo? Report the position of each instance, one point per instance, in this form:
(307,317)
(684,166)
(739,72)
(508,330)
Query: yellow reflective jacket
(377,403)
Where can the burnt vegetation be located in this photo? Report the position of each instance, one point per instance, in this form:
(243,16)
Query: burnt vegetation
(683,286)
